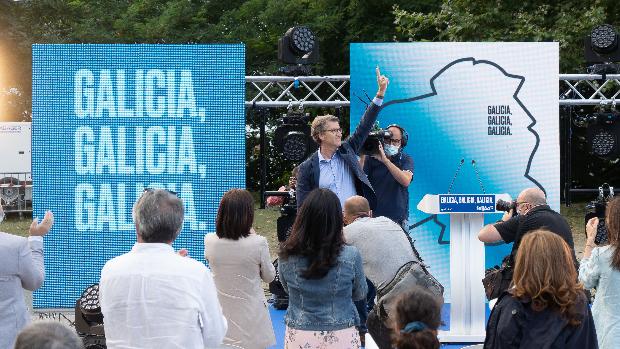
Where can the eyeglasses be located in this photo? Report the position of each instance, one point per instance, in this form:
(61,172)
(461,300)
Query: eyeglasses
(150,190)
(393,141)
(520,203)
(334,130)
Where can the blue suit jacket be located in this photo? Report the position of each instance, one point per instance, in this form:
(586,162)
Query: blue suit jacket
(308,178)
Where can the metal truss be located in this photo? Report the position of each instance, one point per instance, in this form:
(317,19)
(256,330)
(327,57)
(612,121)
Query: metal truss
(589,89)
(332,91)
(308,91)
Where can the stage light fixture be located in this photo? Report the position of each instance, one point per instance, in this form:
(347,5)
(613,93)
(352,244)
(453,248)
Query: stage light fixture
(603,133)
(602,49)
(298,47)
(302,40)
(604,38)
(292,137)
(89,319)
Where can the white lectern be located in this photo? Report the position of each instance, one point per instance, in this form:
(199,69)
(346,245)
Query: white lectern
(467,309)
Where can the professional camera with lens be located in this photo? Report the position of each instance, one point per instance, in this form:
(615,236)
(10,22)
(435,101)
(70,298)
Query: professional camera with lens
(506,206)
(597,209)
(375,137)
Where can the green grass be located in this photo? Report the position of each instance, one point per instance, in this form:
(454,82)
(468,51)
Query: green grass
(13,224)
(575,217)
(265,225)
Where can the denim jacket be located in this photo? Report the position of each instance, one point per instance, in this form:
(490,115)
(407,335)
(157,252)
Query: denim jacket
(324,304)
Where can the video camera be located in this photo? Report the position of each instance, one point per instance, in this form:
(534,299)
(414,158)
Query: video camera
(597,208)
(288,212)
(375,137)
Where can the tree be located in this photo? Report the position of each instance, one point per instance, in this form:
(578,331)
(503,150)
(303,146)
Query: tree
(566,22)
(257,23)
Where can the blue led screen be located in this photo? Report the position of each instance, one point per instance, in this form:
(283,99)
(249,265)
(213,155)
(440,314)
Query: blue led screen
(110,120)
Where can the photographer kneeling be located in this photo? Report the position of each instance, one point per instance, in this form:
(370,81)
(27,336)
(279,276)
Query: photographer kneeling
(532,213)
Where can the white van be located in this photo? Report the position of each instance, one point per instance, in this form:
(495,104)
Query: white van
(16,166)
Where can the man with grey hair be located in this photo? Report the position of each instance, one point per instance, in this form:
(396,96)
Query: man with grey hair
(152,297)
(48,335)
(334,165)
(532,213)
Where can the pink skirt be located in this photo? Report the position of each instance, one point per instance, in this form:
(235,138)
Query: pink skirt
(348,338)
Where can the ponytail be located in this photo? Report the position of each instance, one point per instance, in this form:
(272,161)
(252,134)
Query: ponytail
(422,339)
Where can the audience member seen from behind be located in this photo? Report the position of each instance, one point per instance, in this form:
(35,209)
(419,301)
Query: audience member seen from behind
(48,335)
(21,267)
(546,307)
(416,320)
(239,259)
(292,183)
(152,297)
(600,269)
(323,277)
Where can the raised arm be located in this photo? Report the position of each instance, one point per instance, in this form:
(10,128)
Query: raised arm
(370,116)
(31,266)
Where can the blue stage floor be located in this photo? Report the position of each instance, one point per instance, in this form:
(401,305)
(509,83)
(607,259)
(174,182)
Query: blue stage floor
(277,319)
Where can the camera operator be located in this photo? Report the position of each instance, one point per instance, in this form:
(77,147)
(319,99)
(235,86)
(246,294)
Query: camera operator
(532,213)
(281,200)
(390,172)
(334,165)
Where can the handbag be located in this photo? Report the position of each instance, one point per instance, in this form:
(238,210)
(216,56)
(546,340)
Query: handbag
(409,275)
(497,279)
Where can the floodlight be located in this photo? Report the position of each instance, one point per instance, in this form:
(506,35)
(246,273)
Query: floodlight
(603,135)
(299,45)
(292,137)
(601,46)
(89,319)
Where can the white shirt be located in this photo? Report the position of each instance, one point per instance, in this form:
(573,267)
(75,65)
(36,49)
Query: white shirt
(153,298)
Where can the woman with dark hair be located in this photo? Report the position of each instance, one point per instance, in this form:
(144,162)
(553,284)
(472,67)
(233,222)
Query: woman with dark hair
(239,259)
(416,320)
(546,307)
(600,269)
(322,276)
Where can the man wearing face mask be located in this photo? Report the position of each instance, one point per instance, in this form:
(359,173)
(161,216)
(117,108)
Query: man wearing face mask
(390,172)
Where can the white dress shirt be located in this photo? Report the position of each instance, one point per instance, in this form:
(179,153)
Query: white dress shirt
(153,298)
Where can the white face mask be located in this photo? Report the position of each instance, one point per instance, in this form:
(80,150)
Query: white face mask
(390,150)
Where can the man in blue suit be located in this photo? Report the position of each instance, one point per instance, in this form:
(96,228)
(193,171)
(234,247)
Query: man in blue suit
(335,164)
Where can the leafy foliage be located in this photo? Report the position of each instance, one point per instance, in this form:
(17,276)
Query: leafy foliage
(566,22)
(260,23)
